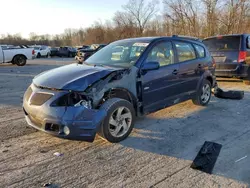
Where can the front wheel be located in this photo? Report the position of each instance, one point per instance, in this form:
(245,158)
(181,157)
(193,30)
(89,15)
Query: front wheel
(203,95)
(119,121)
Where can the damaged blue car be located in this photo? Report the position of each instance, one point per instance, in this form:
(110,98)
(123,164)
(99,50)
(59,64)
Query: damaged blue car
(125,79)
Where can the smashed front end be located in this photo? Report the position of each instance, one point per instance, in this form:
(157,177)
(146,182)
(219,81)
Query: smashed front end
(62,113)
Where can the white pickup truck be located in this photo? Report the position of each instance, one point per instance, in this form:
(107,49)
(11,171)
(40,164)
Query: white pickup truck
(17,55)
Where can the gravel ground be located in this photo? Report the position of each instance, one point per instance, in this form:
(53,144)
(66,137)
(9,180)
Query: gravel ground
(157,154)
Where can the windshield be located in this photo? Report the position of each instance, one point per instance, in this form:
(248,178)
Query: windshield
(121,54)
(223,43)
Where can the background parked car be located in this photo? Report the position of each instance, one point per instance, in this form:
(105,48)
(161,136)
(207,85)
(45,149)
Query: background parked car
(231,54)
(86,53)
(42,51)
(83,47)
(54,52)
(15,54)
(67,51)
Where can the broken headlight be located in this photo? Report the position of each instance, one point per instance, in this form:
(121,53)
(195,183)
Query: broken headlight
(73,99)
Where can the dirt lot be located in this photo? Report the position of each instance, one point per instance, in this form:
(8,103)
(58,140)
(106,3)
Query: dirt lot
(157,154)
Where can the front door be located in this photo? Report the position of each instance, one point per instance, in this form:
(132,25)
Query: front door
(159,87)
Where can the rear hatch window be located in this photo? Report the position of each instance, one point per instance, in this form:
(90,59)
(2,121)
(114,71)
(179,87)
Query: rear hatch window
(224,49)
(230,43)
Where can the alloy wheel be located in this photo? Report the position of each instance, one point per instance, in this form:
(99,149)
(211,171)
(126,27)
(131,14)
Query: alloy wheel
(120,122)
(206,92)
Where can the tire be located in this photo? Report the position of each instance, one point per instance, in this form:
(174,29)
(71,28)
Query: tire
(20,60)
(246,82)
(200,99)
(122,125)
(38,55)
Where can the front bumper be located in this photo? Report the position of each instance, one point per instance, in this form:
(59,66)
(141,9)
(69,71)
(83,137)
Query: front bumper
(239,70)
(81,123)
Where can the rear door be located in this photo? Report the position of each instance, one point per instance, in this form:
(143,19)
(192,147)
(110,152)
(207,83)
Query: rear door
(160,87)
(224,49)
(191,65)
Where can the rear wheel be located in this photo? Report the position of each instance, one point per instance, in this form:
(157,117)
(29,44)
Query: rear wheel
(119,121)
(204,94)
(20,60)
(38,55)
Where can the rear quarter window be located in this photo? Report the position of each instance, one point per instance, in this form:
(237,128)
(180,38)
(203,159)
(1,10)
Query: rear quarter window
(248,42)
(223,43)
(200,50)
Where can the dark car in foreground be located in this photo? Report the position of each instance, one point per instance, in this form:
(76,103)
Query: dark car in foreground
(231,54)
(87,52)
(125,79)
(67,51)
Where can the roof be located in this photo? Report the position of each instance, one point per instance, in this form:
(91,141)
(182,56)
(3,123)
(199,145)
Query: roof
(150,39)
(235,35)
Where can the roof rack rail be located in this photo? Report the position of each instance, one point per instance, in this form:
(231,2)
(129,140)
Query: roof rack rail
(187,37)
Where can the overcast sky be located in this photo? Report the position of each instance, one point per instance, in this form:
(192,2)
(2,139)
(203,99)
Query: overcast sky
(53,16)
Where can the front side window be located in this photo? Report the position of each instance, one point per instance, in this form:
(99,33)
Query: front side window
(200,50)
(162,53)
(185,51)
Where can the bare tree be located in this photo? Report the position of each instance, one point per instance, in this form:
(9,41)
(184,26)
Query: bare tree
(183,15)
(140,13)
(211,17)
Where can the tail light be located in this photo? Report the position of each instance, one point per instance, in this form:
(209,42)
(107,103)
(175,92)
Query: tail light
(242,56)
(33,52)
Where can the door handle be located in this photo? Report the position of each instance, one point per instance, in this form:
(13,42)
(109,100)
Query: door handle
(175,72)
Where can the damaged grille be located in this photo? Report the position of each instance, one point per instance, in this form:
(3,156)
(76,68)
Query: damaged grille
(28,94)
(40,98)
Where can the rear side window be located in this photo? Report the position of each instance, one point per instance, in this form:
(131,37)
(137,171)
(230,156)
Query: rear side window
(185,51)
(248,42)
(200,50)
(223,43)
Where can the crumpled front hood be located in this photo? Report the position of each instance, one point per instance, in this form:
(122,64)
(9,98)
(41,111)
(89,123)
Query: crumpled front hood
(76,77)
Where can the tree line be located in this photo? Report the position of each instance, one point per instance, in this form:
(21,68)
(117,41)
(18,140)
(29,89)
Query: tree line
(200,18)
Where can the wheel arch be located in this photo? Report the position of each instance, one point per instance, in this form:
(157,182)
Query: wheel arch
(19,55)
(206,76)
(121,93)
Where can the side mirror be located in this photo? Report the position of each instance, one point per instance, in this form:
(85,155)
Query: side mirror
(151,65)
